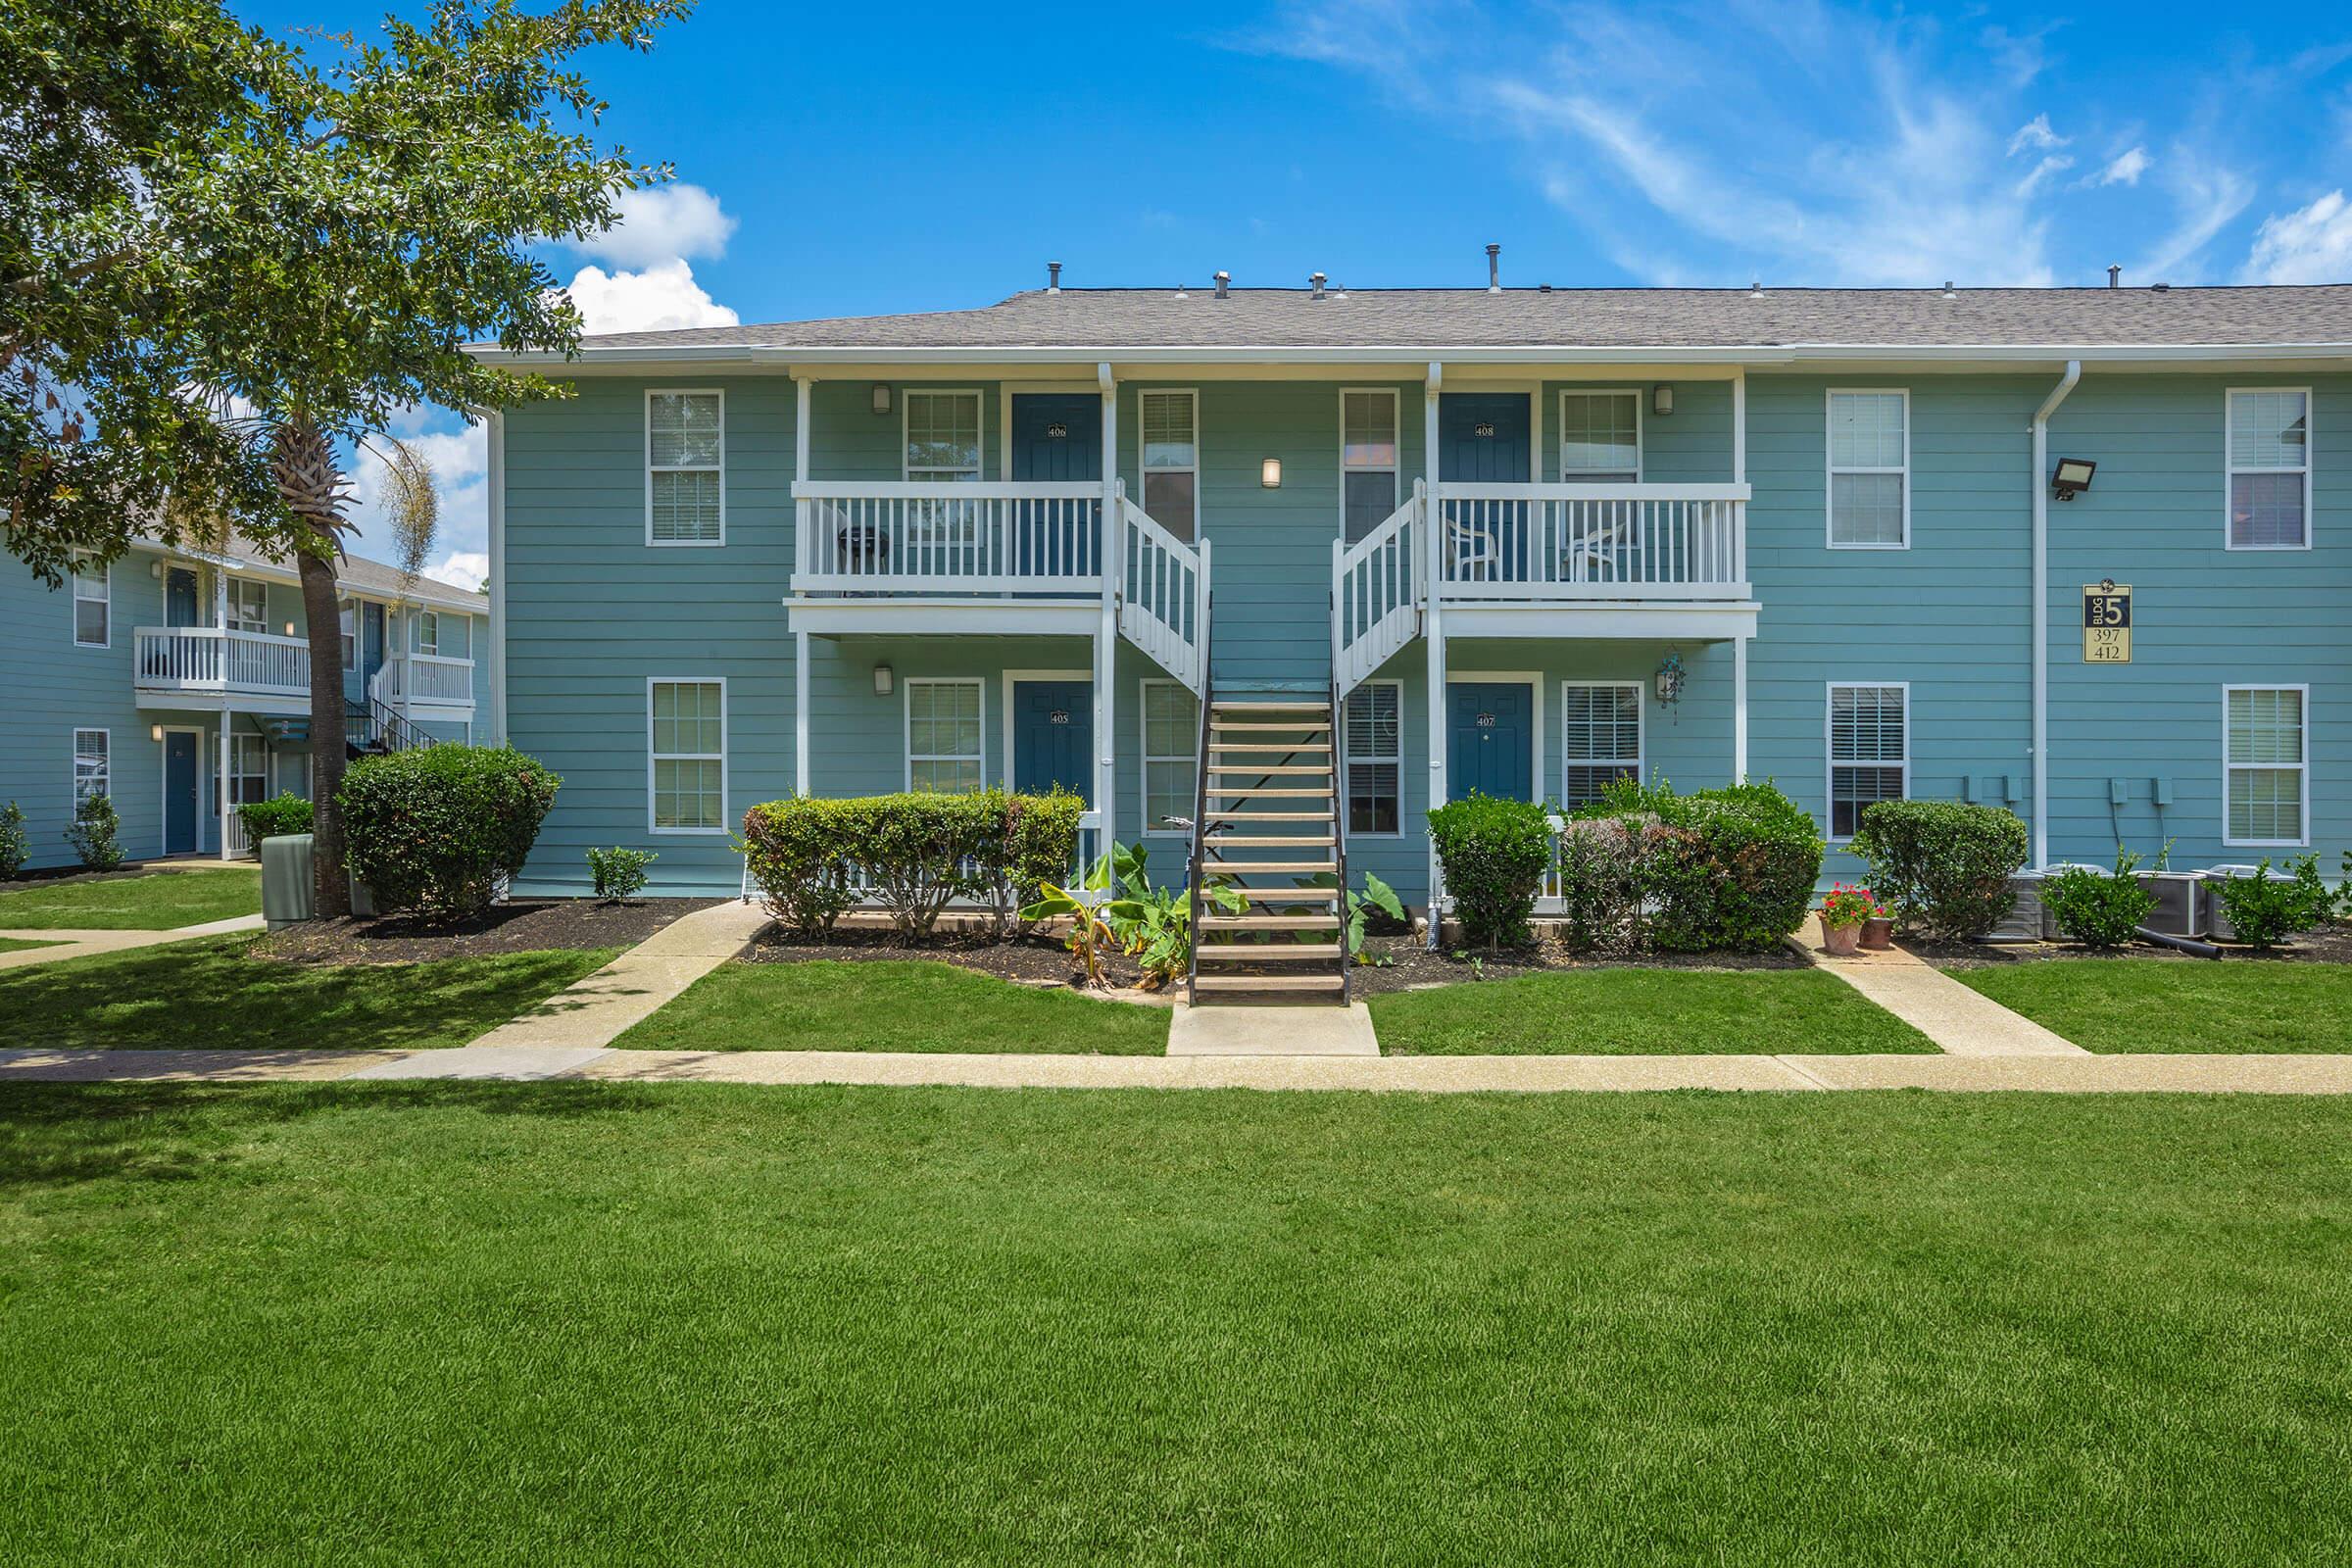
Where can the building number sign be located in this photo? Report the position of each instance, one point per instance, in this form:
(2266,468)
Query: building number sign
(2107,622)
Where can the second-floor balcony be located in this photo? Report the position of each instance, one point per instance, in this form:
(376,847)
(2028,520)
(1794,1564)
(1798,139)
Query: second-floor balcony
(429,678)
(215,661)
(910,537)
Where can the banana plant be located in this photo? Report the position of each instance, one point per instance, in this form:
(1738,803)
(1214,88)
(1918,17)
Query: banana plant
(1087,905)
(1355,908)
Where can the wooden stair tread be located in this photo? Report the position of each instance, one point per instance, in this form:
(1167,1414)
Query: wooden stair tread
(1269,952)
(1269,922)
(1269,841)
(1290,728)
(1235,705)
(1280,793)
(1287,895)
(1263,769)
(1270,746)
(1301,817)
(1263,867)
(1267,982)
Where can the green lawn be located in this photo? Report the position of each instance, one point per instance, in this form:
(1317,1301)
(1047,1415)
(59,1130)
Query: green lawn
(571,1323)
(889,1005)
(2142,1005)
(160,901)
(206,995)
(1637,1013)
(19,944)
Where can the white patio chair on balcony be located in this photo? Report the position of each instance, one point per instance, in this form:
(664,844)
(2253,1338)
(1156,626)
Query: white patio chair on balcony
(1472,553)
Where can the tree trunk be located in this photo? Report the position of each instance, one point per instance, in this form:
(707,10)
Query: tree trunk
(331,894)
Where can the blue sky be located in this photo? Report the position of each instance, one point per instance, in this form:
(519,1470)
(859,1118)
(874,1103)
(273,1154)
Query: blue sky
(849,159)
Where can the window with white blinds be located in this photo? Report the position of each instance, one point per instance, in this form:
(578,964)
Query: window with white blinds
(685,467)
(1600,739)
(1368,482)
(942,735)
(1172,460)
(2270,470)
(687,770)
(1870,471)
(248,606)
(94,601)
(943,436)
(92,763)
(1870,756)
(1171,733)
(1375,760)
(1600,437)
(2267,765)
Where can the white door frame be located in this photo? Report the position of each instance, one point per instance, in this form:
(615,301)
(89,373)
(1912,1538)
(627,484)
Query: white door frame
(163,788)
(1533,681)
(1012,678)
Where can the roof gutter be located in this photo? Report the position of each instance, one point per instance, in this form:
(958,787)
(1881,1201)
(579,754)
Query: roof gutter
(2042,608)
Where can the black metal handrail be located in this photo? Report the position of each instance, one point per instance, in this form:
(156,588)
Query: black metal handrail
(378,725)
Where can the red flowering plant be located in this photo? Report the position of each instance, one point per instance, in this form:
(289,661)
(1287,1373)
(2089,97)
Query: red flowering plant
(1845,906)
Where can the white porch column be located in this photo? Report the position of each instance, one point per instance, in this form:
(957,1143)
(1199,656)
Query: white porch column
(226,718)
(1739,645)
(799,713)
(1433,629)
(497,475)
(1111,547)
(1739,711)
(803,388)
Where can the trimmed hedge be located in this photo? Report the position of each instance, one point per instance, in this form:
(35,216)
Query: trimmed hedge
(1720,870)
(15,849)
(273,818)
(916,851)
(1945,864)
(2102,912)
(97,834)
(1494,855)
(431,830)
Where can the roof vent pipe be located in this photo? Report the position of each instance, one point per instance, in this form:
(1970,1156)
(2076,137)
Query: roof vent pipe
(2115,277)
(1948,291)
(1314,281)
(1224,284)
(1755,290)
(1493,268)
(1053,277)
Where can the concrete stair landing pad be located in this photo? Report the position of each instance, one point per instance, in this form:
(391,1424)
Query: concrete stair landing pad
(1310,1029)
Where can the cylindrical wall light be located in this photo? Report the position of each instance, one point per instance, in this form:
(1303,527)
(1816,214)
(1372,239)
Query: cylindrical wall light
(1269,473)
(883,676)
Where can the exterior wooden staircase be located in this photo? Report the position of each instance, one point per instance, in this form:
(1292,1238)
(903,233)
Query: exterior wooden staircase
(1268,820)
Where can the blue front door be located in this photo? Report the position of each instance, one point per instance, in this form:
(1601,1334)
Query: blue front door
(182,777)
(1484,438)
(1057,439)
(1490,740)
(181,604)
(1053,736)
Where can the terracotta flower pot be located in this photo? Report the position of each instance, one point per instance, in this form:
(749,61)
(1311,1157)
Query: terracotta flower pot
(1877,932)
(1840,941)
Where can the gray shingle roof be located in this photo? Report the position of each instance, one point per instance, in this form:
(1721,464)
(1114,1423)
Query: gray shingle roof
(363,575)
(1581,317)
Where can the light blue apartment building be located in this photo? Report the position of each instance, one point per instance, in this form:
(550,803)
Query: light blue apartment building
(1525,540)
(177,682)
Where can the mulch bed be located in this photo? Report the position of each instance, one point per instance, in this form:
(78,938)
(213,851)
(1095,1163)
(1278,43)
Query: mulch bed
(1035,959)
(56,875)
(2330,946)
(525,925)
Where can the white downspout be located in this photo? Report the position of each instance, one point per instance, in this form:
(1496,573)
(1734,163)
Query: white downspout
(2042,610)
(1112,548)
(1433,628)
(804,556)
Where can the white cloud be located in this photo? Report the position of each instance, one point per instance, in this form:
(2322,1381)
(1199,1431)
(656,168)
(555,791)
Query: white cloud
(2310,245)
(2127,167)
(661,224)
(2207,197)
(2035,132)
(2048,168)
(467,568)
(662,297)
(461,462)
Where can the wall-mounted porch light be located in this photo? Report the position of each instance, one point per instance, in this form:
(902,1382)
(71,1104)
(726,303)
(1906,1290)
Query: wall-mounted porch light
(289,628)
(883,676)
(2072,477)
(1661,400)
(1269,473)
(154,732)
(881,396)
(155,570)
(1670,680)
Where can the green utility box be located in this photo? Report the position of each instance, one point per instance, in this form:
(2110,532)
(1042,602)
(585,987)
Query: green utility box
(285,879)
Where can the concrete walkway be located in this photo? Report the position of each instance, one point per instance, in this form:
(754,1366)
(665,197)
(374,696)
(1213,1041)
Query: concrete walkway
(2080,1074)
(1960,1021)
(1305,1029)
(81,944)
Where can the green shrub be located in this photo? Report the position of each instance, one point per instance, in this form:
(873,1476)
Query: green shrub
(97,834)
(15,848)
(432,830)
(1944,864)
(1494,855)
(917,852)
(1725,869)
(2263,911)
(2100,911)
(619,872)
(269,819)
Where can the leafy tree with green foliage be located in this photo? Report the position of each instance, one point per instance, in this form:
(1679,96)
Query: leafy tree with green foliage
(224,261)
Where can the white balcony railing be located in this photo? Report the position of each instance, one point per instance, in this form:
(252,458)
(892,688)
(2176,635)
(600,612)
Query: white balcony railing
(423,678)
(1591,541)
(999,537)
(210,658)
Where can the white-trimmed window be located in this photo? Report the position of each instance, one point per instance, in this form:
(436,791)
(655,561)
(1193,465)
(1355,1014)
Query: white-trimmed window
(2266,766)
(943,436)
(92,748)
(1172,460)
(1368,462)
(1375,719)
(1600,737)
(248,767)
(687,767)
(2270,468)
(248,605)
(1600,437)
(943,734)
(1171,736)
(348,617)
(685,457)
(94,601)
(1870,751)
(1870,471)
(428,632)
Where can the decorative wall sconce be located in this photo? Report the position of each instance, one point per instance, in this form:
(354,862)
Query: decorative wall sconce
(289,628)
(1670,680)
(155,570)
(884,676)
(1269,473)
(881,397)
(154,732)
(1661,400)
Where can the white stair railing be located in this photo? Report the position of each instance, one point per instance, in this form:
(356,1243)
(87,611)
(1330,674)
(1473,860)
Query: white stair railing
(1376,593)
(1163,598)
